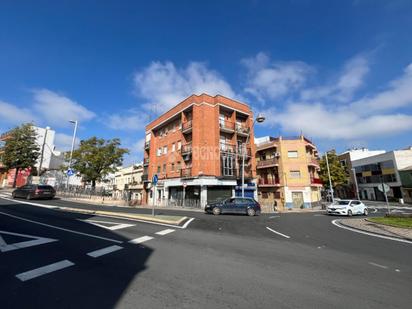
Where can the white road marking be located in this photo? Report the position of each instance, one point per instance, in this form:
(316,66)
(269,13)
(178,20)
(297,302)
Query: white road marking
(140,240)
(397,270)
(61,228)
(336,223)
(165,232)
(104,251)
(378,265)
(271,217)
(108,216)
(4,247)
(283,235)
(375,210)
(116,226)
(318,215)
(31,274)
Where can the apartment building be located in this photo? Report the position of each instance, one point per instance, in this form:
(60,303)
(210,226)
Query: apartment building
(385,167)
(287,172)
(195,149)
(346,158)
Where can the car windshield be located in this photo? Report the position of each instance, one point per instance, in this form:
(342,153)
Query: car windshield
(45,187)
(341,202)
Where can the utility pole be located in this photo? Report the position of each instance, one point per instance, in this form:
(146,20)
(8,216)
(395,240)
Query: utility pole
(42,151)
(356,183)
(330,180)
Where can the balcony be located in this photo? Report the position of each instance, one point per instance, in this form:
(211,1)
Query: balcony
(186,151)
(147,145)
(146,161)
(267,163)
(268,182)
(316,181)
(313,162)
(242,129)
(187,127)
(186,172)
(247,152)
(226,147)
(227,126)
(145,178)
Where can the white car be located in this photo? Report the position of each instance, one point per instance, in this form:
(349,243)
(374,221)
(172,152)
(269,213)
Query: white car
(347,208)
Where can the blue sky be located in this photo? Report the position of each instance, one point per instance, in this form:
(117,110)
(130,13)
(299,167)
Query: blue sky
(338,71)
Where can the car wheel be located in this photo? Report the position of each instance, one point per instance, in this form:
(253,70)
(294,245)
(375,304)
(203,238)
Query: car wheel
(216,211)
(251,212)
(13,195)
(349,213)
(365,212)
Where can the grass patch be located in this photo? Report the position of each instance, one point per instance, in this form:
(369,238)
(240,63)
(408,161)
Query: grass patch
(397,222)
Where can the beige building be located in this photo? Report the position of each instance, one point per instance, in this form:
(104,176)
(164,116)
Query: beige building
(287,173)
(128,183)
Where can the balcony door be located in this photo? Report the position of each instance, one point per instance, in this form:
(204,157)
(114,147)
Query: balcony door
(228,165)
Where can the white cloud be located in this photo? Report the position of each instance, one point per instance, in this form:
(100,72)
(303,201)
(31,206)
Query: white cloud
(130,121)
(64,141)
(317,120)
(398,94)
(268,80)
(162,85)
(14,115)
(57,109)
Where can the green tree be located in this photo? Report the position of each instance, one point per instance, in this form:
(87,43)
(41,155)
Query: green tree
(21,150)
(337,171)
(96,158)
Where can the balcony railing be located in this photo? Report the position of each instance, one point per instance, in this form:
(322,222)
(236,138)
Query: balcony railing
(235,173)
(267,163)
(186,149)
(268,181)
(225,147)
(147,145)
(241,150)
(313,161)
(146,161)
(187,126)
(227,126)
(315,181)
(186,172)
(242,129)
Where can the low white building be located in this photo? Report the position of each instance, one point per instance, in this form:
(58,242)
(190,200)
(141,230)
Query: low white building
(372,171)
(128,182)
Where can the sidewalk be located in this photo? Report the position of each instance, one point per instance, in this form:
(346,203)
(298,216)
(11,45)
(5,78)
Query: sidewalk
(375,228)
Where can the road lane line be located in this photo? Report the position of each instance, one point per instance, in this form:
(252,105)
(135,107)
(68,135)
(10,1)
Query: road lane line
(140,240)
(104,251)
(271,217)
(336,223)
(187,223)
(61,228)
(116,226)
(276,232)
(34,273)
(165,232)
(378,265)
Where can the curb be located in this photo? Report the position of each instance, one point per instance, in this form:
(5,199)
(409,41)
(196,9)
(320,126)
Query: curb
(378,234)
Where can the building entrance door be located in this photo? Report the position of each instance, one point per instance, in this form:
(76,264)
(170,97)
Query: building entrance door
(297,199)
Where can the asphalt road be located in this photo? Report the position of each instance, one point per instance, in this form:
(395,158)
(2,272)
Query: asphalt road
(54,259)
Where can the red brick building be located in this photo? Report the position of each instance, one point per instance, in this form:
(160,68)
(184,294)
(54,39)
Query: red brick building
(195,148)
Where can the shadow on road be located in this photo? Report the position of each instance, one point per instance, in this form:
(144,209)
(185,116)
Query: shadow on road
(90,283)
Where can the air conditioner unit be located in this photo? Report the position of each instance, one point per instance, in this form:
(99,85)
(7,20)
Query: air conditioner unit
(277,154)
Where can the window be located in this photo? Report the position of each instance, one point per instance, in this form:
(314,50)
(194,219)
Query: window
(179,145)
(164,149)
(173,147)
(159,152)
(164,168)
(294,174)
(293,154)
(158,169)
(173,167)
(178,165)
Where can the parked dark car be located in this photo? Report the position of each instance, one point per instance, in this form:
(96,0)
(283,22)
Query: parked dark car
(234,205)
(34,192)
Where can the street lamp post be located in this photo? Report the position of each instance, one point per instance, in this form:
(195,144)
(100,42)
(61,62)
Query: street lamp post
(356,183)
(71,151)
(330,180)
(260,118)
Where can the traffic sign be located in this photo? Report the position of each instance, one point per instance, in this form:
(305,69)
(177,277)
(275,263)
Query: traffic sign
(70,172)
(155,179)
(383,187)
